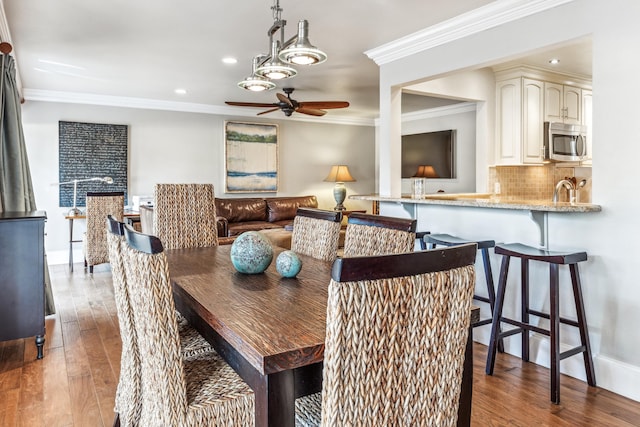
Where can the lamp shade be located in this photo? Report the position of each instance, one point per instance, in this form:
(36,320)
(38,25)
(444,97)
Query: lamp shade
(339,173)
(425,171)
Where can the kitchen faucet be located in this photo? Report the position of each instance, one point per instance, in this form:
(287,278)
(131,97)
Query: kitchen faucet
(569,185)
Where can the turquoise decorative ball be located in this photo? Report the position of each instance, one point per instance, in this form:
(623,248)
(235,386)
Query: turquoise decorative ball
(251,253)
(288,264)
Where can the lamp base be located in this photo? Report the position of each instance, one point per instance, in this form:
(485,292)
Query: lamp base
(74,212)
(339,193)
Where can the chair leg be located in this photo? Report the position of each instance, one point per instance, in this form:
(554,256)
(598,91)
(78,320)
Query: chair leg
(524,306)
(116,420)
(490,288)
(554,330)
(91,269)
(497,315)
(582,322)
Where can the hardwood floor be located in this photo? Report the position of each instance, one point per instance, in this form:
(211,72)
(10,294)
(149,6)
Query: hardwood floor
(75,383)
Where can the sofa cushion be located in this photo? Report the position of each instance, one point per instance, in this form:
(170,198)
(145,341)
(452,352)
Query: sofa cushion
(285,208)
(241,209)
(236,228)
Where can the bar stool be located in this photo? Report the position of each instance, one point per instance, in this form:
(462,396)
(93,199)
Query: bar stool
(483,246)
(420,238)
(555,259)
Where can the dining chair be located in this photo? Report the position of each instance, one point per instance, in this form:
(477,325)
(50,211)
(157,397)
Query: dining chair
(369,235)
(397,328)
(176,391)
(128,402)
(99,205)
(316,233)
(184,215)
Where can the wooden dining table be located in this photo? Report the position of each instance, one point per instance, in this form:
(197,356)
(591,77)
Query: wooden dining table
(270,329)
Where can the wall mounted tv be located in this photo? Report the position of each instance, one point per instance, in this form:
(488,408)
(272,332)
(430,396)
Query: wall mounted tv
(430,148)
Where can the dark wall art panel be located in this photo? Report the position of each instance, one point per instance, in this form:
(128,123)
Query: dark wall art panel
(91,150)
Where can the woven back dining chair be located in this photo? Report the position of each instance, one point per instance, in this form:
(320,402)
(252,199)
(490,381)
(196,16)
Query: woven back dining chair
(397,328)
(316,233)
(369,235)
(176,391)
(99,205)
(128,402)
(184,215)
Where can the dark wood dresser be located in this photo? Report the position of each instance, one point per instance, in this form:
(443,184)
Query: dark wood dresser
(22,276)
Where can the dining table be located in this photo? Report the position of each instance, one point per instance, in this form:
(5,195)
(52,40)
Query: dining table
(268,328)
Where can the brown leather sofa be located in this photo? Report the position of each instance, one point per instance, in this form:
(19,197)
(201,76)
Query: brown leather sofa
(237,215)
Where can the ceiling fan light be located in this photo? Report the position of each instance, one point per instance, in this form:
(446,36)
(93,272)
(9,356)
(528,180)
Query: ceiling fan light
(302,52)
(256,84)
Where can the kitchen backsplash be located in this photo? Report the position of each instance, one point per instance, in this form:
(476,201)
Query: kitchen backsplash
(538,182)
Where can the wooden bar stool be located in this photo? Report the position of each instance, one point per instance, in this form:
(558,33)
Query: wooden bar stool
(483,246)
(555,259)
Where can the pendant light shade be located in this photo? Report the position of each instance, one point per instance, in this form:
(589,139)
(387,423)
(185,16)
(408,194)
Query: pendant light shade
(275,69)
(275,66)
(302,52)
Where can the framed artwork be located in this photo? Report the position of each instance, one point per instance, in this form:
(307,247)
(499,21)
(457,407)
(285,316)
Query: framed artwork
(251,157)
(91,150)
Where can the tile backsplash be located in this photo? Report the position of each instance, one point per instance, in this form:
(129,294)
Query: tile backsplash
(538,182)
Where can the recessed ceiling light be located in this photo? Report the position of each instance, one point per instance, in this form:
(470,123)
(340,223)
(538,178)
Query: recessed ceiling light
(554,61)
(229,60)
(181,91)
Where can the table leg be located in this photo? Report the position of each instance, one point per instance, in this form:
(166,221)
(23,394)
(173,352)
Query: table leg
(464,409)
(275,400)
(70,244)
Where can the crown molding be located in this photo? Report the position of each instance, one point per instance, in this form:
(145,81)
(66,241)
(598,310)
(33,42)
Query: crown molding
(185,107)
(483,18)
(431,113)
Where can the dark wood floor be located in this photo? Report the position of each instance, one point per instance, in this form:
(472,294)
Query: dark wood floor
(75,383)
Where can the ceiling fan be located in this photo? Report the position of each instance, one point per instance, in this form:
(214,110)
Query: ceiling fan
(289,106)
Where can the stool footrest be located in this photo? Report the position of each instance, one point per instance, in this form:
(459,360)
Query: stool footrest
(486,321)
(481,298)
(562,319)
(522,326)
(509,332)
(572,352)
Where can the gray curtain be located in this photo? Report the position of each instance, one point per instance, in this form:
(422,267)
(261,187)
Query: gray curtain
(16,191)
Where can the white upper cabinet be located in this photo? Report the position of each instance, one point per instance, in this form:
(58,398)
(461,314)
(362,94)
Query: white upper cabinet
(562,103)
(525,99)
(587,107)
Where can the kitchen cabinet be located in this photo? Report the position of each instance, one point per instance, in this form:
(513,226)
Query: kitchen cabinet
(562,103)
(525,99)
(587,107)
(519,121)
(22,276)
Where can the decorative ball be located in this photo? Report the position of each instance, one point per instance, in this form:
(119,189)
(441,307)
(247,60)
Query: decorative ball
(251,253)
(288,264)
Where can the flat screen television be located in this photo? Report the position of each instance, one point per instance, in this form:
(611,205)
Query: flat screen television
(436,149)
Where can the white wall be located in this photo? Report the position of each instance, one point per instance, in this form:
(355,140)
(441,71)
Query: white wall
(189,147)
(610,278)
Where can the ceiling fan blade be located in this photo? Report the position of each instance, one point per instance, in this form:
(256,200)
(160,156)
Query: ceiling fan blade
(250,104)
(310,111)
(325,104)
(285,99)
(268,111)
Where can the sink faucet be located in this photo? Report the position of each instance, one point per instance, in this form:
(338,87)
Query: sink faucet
(566,184)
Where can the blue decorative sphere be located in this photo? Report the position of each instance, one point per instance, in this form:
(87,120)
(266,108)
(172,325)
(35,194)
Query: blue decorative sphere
(288,264)
(251,253)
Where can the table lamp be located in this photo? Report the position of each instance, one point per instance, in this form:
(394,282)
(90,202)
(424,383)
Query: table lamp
(424,171)
(74,210)
(339,174)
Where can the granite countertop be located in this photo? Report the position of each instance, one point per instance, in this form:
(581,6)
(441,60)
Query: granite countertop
(485,200)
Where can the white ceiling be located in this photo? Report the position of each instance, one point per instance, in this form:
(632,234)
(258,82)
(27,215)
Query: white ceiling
(148,48)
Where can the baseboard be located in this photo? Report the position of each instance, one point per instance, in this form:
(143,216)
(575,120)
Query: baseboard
(611,374)
(62,257)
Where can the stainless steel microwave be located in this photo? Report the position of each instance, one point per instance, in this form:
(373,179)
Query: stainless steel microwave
(564,142)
